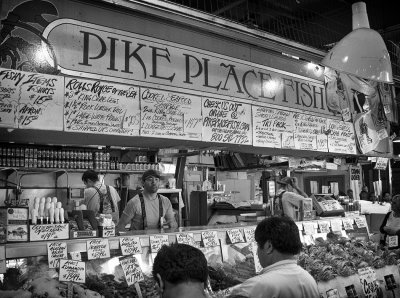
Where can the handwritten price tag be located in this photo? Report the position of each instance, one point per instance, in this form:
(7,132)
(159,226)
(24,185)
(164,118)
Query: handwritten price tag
(49,232)
(55,252)
(336,225)
(393,241)
(157,241)
(185,238)
(72,271)
(249,234)
(98,249)
(308,228)
(130,246)
(368,281)
(132,270)
(360,222)
(324,226)
(210,238)
(235,236)
(348,223)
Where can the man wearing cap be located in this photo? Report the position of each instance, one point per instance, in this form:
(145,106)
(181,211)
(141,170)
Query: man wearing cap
(290,196)
(148,210)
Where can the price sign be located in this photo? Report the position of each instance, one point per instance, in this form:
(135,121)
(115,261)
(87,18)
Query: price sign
(299,226)
(55,252)
(130,246)
(381,163)
(75,255)
(336,225)
(49,232)
(98,249)
(132,271)
(308,228)
(249,234)
(332,293)
(235,236)
(308,240)
(368,282)
(257,264)
(393,241)
(185,238)
(360,222)
(348,223)
(324,226)
(210,238)
(157,241)
(72,271)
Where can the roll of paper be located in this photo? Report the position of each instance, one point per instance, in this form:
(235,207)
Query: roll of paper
(54,200)
(51,213)
(62,215)
(57,215)
(59,204)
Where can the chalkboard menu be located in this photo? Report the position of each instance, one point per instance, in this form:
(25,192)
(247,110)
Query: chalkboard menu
(169,114)
(341,137)
(310,132)
(31,100)
(226,121)
(101,107)
(269,124)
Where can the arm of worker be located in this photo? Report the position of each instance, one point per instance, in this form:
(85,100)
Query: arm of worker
(296,187)
(169,216)
(91,201)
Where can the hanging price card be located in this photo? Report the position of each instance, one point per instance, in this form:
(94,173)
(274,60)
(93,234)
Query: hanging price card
(336,225)
(257,264)
(185,238)
(348,223)
(72,271)
(235,236)
(55,252)
(324,226)
(98,249)
(132,271)
(130,246)
(308,228)
(210,238)
(156,241)
(393,241)
(249,234)
(360,222)
(368,282)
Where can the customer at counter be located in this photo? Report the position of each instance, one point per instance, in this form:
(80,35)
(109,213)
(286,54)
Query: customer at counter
(148,210)
(289,196)
(99,197)
(391,223)
(180,271)
(386,197)
(364,194)
(278,243)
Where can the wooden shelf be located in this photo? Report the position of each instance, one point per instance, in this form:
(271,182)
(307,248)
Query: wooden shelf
(55,170)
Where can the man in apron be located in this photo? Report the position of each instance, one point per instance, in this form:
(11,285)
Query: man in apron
(148,210)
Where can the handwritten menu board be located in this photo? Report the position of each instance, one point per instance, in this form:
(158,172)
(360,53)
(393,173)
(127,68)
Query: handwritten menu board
(101,107)
(235,236)
(157,241)
(309,129)
(169,114)
(269,124)
(226,121)
(31,100)
(55,252)
(249,234)
(130,245)
(132,270)
(98,249)
(185,238)
(341,137)
(74,271)
(210,238)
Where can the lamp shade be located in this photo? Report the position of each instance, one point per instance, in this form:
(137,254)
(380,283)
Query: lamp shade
(362,52)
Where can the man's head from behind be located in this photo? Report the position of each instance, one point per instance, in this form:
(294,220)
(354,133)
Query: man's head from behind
(277,239)
(178,264)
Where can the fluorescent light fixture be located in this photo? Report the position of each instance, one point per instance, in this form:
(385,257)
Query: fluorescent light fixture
(362,52)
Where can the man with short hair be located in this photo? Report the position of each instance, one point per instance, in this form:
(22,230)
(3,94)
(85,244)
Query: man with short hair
(101,198)
(181,271)
(278,243)
(148,210)
(290,196)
